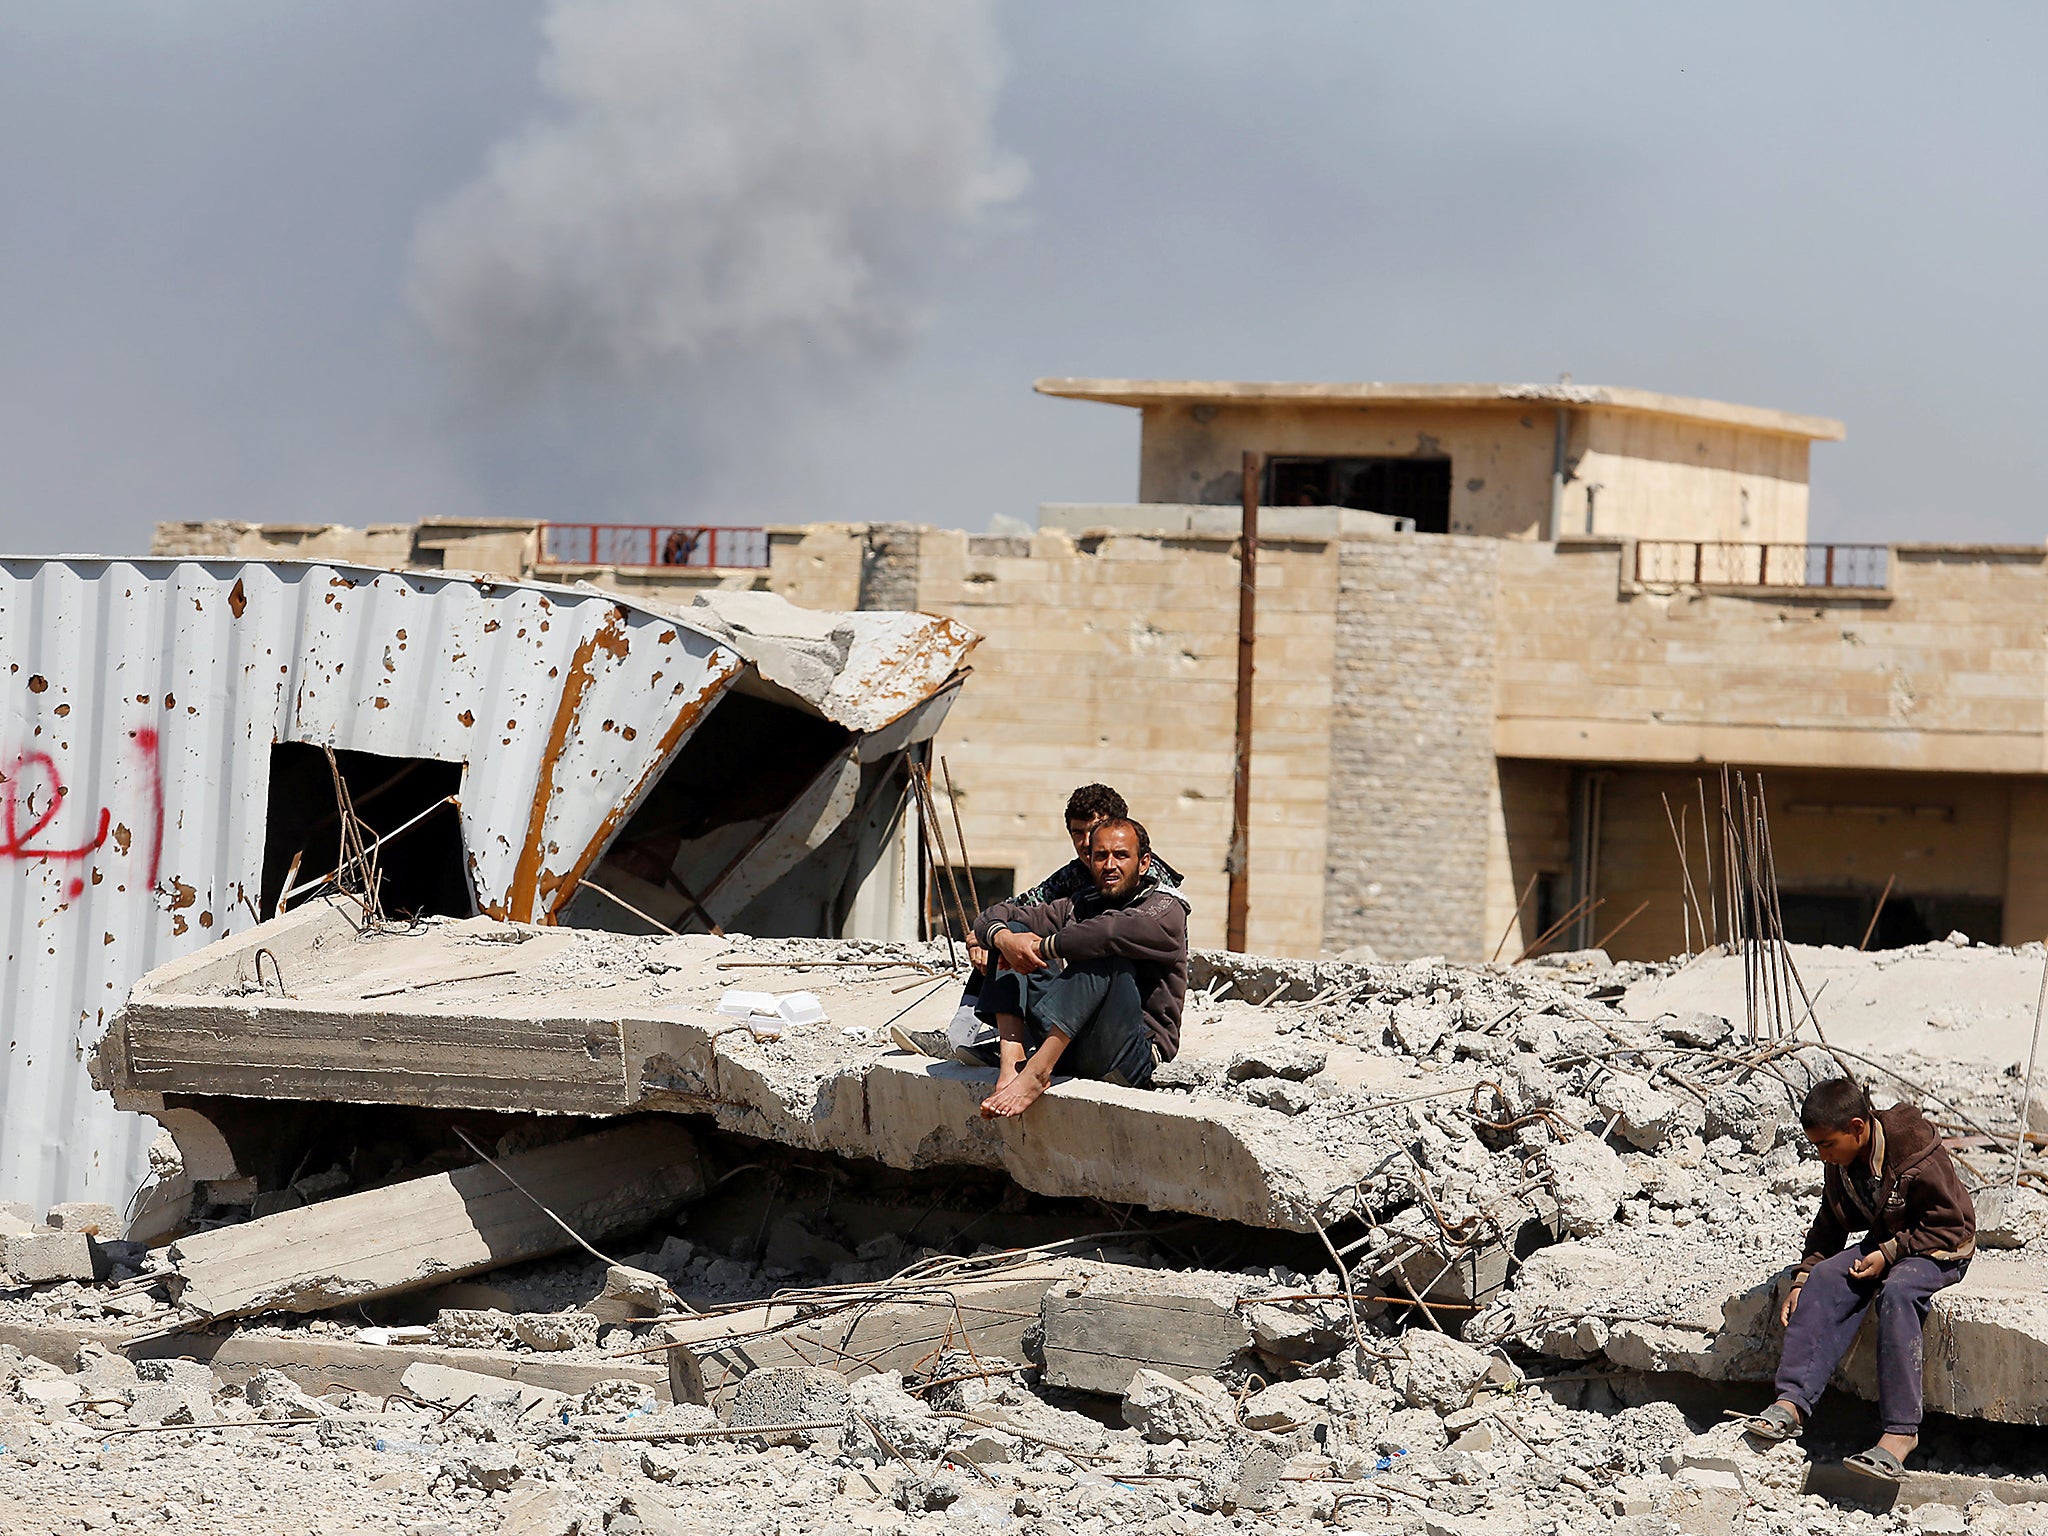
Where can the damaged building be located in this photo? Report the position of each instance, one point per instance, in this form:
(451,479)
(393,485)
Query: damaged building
(191,746)
(1500,628)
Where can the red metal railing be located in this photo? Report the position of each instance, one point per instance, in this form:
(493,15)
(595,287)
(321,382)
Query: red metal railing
(651,544)
(1706,563)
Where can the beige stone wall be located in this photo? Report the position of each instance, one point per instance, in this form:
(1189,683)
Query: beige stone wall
(1116,661)
(1529,838)
(1652,477)
(1412,785)
(817,565)
(1945,672)
(378,544)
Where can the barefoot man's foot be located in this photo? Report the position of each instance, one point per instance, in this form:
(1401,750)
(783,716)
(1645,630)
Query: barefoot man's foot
(1013,1097)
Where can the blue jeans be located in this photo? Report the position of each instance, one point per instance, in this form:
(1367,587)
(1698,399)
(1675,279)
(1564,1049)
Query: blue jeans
(1094,1004)
(1830,1311)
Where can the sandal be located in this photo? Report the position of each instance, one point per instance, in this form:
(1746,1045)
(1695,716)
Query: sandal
(1778,1422)
(1876,1462)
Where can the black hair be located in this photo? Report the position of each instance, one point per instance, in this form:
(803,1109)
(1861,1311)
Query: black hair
(1137,830)
(1832,1104)
(1093,800)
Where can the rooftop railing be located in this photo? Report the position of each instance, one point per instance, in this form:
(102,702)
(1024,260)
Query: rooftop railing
(1708,563)
(652,545)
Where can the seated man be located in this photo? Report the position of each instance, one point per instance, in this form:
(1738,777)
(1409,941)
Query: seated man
(1090,985)
(968,1038)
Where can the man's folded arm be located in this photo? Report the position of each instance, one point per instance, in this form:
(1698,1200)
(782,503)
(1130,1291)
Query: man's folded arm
(1155,929)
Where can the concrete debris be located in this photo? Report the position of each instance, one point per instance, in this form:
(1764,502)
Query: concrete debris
(1590,1182)
(424,1231)
(1098,1330)
(629,1293)
(1599,1203)
(41,1258)
(803,1396)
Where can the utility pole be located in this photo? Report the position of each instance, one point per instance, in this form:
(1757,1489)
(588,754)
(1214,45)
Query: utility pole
(1238,864)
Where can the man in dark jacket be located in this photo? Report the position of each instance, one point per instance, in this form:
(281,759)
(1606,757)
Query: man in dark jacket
(1889,1177)
(1090,984)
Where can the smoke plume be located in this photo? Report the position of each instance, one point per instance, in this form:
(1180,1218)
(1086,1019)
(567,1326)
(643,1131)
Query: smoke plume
(719,179)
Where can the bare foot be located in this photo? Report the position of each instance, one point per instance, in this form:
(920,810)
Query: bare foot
(1014,1097)
(1900,1446)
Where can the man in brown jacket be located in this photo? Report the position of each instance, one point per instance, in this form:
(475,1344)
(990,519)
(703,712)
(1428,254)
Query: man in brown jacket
(1889,1177)
(1090,984)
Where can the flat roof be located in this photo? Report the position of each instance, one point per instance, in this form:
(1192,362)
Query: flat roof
(1640,402)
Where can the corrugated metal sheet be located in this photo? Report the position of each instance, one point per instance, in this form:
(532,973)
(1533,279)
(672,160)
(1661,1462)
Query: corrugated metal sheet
(142,701)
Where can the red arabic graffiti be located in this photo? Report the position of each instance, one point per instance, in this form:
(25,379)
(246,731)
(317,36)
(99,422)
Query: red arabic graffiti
(33,788)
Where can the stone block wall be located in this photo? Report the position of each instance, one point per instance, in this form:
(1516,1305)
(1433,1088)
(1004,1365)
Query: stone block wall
(1412,780)
(1114,659)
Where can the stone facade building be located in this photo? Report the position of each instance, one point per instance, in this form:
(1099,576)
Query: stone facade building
(1503,632)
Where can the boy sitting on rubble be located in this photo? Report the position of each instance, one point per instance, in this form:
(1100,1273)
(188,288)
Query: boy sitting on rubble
(1090,985)
(1889,1176)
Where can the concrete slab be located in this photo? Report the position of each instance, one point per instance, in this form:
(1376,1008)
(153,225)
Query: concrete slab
(482,1015)
(1986,1343)
(422,1232)
(990,1314)
(318,1364)
(1940,999)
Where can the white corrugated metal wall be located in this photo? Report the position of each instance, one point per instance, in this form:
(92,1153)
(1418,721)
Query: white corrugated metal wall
(142,701)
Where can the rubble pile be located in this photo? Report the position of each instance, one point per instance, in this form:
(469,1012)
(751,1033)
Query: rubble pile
(1555,1262)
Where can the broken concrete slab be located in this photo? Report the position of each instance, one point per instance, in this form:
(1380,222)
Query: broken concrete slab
(1101,1329)
(992,1313)
(318,1364)
(536,1035)
(1710,1310)
(419,1233)
(45,1258)
(92,1217)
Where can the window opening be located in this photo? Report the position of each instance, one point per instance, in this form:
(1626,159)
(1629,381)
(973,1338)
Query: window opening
(1413,488)
(421,873)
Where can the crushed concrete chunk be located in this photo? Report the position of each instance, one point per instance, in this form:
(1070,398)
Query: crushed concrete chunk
(1643,1114)
(790,1395)
(629,1294)
(275,1395)
(44,1258)
(1277,1058)
(91,1217)
(1705,1501)
(2011,1218)
(1162,1409)
(1589,1181)
(474,1328)
(548,1331)
(1439,1372)
(879,1409)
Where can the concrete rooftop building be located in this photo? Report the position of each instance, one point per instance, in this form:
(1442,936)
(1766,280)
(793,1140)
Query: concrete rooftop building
(1500,629)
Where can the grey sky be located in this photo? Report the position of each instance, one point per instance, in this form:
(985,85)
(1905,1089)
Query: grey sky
(207,219)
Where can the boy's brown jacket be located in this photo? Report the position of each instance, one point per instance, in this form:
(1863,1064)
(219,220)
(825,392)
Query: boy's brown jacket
(1922,1208)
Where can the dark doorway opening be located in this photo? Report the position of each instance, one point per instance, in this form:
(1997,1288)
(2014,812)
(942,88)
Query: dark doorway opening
(421,873)
(1413,488)
(1832,917)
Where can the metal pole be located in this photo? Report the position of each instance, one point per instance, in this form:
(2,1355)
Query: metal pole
(2019,1135)
(1237,865)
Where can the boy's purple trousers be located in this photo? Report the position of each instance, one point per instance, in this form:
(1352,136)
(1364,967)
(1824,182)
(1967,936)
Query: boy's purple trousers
(1831,1309)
